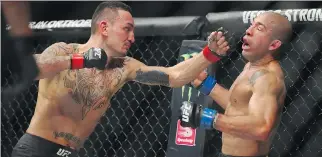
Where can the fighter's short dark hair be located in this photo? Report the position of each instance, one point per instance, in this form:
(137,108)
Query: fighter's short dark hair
(113,6)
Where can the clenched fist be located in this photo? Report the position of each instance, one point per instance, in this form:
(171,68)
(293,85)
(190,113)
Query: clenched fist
(92,58)
(217,43)
(217,46)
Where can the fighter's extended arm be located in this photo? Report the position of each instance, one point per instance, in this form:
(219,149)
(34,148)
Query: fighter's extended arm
(54,59)
(263,110)
(175,76)
(183,72)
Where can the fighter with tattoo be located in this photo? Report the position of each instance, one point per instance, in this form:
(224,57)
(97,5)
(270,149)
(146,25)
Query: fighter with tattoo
(77,81)
(253,104)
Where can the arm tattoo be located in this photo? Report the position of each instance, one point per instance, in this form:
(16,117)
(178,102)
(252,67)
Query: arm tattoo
(67,136)
(53,54)
(152,77)
(256,75)
(75,48)
(54,59)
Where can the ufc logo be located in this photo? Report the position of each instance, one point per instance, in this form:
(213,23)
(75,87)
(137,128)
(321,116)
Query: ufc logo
(63,152)
(97,52)
(185,114)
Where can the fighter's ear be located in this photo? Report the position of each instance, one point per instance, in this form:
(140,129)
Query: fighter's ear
(103,27)
(275,44)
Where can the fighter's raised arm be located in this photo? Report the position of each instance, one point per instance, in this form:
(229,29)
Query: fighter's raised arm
(184,72)
(54,59)
(61,56)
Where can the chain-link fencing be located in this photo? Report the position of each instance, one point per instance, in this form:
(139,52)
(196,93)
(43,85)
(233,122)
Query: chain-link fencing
(138,121)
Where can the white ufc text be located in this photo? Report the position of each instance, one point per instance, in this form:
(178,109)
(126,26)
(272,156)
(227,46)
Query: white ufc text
(63,152)
(185,113)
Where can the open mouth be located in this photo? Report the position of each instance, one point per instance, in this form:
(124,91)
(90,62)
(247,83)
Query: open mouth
(245,44)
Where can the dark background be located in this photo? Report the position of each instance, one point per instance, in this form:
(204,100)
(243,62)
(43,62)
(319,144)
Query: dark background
(138,123)
(84,10)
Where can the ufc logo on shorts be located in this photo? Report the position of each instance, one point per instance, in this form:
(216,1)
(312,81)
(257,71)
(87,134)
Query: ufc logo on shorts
(63,152)
(185,114)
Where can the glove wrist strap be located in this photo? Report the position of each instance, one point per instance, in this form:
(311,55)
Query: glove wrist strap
(207,85)
(77,61)
(209,55)
(207,118)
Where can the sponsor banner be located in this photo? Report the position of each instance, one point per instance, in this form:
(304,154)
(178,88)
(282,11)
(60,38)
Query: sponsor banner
(185,135)
(293,15)
(60,24)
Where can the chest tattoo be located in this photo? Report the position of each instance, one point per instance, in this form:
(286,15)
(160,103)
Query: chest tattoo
(93,88)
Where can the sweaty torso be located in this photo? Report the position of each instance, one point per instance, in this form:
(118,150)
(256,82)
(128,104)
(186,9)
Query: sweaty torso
(240,94)
(70,105)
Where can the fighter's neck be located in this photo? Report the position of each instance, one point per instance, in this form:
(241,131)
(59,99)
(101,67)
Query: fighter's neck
(261,62)
(98,43)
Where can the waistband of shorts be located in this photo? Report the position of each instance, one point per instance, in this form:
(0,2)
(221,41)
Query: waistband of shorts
(45,144)
(225,155)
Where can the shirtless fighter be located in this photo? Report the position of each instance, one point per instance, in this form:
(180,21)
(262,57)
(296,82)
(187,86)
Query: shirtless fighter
(253,104)
(77,81)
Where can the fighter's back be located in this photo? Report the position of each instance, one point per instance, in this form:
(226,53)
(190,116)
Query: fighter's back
(70,104)
(240,94)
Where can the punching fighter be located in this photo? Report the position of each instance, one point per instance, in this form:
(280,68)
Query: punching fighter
(253,104)
(77,81)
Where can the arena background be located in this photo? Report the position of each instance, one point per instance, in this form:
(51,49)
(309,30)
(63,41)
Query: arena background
(142,120)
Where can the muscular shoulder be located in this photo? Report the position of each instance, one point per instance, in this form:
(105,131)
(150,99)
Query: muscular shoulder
(73,46)
(60,49)
(267,81)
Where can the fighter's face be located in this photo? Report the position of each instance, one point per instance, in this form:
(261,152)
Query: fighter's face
(259,38)
(120,33)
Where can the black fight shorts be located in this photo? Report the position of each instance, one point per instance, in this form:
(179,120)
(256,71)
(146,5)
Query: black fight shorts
(34,146)
(224,155)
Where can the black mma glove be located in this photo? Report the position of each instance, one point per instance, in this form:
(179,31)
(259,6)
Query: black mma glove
(193,115)
(189,115)
(93,58)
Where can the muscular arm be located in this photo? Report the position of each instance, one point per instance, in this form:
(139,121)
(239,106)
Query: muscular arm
(53,60)
(263,110)
(175,76)
(220,95)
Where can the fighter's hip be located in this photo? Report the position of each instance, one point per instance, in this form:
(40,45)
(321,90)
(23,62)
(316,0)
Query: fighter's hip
(248,148)
(57,136)
(30,145)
